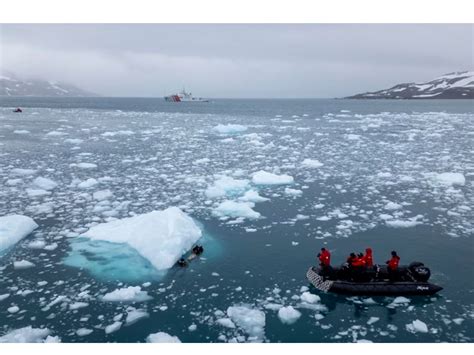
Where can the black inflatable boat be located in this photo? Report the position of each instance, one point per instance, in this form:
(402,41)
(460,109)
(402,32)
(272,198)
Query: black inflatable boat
(409,280)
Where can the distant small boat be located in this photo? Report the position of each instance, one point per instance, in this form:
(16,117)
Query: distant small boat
(184,96)
(18,110)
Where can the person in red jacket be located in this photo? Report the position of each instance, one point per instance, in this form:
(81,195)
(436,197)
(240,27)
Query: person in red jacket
(369,262)
(392,266)
(324,257)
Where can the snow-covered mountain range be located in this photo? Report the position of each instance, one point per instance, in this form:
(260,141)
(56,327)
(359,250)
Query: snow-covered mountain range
(11,85)
(457,85)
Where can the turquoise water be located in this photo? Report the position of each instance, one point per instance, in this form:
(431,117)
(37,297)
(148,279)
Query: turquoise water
(149,155)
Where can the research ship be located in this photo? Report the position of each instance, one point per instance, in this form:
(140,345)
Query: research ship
(184,96)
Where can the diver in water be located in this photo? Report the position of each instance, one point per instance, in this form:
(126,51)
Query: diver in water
(181,262)
(198,250)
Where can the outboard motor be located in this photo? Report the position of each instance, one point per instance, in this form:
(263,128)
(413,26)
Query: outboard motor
(419,271)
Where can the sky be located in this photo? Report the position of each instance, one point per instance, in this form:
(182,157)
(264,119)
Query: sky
(236,61)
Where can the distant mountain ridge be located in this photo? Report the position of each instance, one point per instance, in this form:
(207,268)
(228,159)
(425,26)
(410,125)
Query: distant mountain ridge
(11,85)
(456,85)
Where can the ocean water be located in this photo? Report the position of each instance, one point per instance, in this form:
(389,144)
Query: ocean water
(381,182)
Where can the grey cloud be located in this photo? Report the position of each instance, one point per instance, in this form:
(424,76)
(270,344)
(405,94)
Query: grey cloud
(236,60)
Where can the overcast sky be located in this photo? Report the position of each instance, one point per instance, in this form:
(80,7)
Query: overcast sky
(235,60)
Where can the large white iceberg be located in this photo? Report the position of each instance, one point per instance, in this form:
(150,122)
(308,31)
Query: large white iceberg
(162,237)
(13,228)
(265,178)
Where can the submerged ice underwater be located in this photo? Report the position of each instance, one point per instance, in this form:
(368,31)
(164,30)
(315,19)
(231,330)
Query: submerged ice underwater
(262,185)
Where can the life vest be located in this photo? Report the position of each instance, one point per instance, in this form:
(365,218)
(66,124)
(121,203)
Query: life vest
(325,258)
(368,258)
(358,262)
(393,262)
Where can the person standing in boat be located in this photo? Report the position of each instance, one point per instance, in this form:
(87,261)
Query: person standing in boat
(392,266)
(324,258)
(369,262)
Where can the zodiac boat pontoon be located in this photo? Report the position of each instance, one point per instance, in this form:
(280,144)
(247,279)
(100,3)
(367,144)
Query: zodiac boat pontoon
(409,280)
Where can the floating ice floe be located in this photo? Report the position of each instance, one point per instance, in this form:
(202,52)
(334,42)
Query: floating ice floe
(417,326)
(265,178)
(400,223)
(250,320)
(23,172)
(113,327)
(161,237)
(392,206)
(23,264)
(311,163)
(253,196)
(45,183)
(87,183)
(37,192)
(288,315)
(451,179)
(29,335)
(127,294)
(162,337)
(13,228)
(236,209)
(293,192)
(84,165)
(226,185)
(229,128)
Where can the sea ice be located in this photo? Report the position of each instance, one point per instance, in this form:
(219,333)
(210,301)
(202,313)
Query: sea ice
(102,195)
(22,264)
(226,185)
(251,320)
(26,335)
(162,237)
(45,183)
(225,322)
(236,209)
(417,326)
(253,196)
(451,178)
(87,183)
(127,294)
(288,315)
(13,228)
(265,178)
(113,327)
(293,192)
(23,172)
(311,163)
(230,128)
(82,332)
(162,337)
(309,297)
(134,315)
